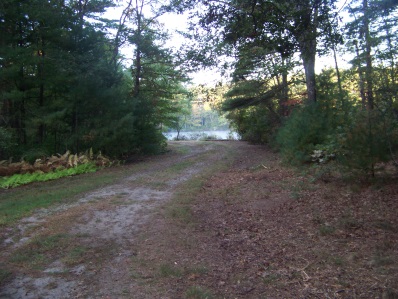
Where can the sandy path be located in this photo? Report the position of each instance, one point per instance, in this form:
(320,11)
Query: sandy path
(104,224)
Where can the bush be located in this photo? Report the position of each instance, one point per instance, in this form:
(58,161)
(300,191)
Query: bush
(306,129)
(357,139)
(367,138)
(254,124)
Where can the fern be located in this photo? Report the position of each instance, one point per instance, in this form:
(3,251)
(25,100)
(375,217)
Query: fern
(23,179)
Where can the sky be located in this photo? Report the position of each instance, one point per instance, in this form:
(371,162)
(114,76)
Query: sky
(173,22)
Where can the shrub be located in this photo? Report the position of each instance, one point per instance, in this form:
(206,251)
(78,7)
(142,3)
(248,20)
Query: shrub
(357,139)
(367,138)
(254,124)
(306,129)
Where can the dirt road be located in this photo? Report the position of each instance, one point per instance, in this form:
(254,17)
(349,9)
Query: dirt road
(97,233)
(210,220)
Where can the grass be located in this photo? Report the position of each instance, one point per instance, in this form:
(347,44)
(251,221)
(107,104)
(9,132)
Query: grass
(4,275)
(197,292)
(271,278)
(36,253)
(338,261)
(167,270)
(75,256)
(325,230)
(21,202)
(180,207)
(44,249)
(180,212)
(180,148)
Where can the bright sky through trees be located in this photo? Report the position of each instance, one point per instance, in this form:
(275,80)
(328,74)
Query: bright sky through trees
(176,22)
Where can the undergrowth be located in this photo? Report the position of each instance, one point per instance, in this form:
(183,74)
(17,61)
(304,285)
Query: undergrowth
(23,179)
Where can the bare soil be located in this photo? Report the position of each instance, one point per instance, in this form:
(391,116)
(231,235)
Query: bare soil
(211,220)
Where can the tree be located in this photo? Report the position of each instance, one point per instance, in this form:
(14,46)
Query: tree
(366,38)
(280,26)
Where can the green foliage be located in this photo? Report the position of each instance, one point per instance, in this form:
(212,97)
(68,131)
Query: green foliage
(7,142)
(34,153)
(357,139)
(4,275)
(200,110)
(168,270)
(23,179)
(367,138)
(63,85)
(306,128)
(255,124)
(21,202)
(253,108)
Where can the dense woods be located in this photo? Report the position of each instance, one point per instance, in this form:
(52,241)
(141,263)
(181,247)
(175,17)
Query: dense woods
(64,85)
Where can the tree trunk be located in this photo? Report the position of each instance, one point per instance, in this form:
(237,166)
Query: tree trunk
(137,74)
(41,95)
(338,77)
(361,78)
(306,34)
(391,82)
(41,125)
(368,57)
(285,90)
(309,68)
(138,65)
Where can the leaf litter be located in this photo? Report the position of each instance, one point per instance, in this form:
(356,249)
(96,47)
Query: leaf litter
(256,230)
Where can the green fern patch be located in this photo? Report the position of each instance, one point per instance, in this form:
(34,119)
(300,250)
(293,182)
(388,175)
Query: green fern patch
(23,179)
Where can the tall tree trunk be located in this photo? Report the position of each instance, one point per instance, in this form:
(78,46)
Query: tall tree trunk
(392,83)
(75,128)
(23,136)
(336,65)
(309,69)
(41,95)
(368,58)
(137,73)
(306,35)
(361,77)
(285,89)
(41,105)
(138,66)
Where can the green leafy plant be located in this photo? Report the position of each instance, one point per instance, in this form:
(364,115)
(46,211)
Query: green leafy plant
(23,179)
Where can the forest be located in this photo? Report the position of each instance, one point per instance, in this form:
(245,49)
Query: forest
(64,84)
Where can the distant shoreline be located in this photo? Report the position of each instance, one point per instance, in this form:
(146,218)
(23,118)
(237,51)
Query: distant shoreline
(220,134)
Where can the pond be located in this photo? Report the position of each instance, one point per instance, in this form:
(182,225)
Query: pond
(221,135)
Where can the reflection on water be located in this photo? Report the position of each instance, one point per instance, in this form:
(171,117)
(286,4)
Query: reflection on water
(223,135)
